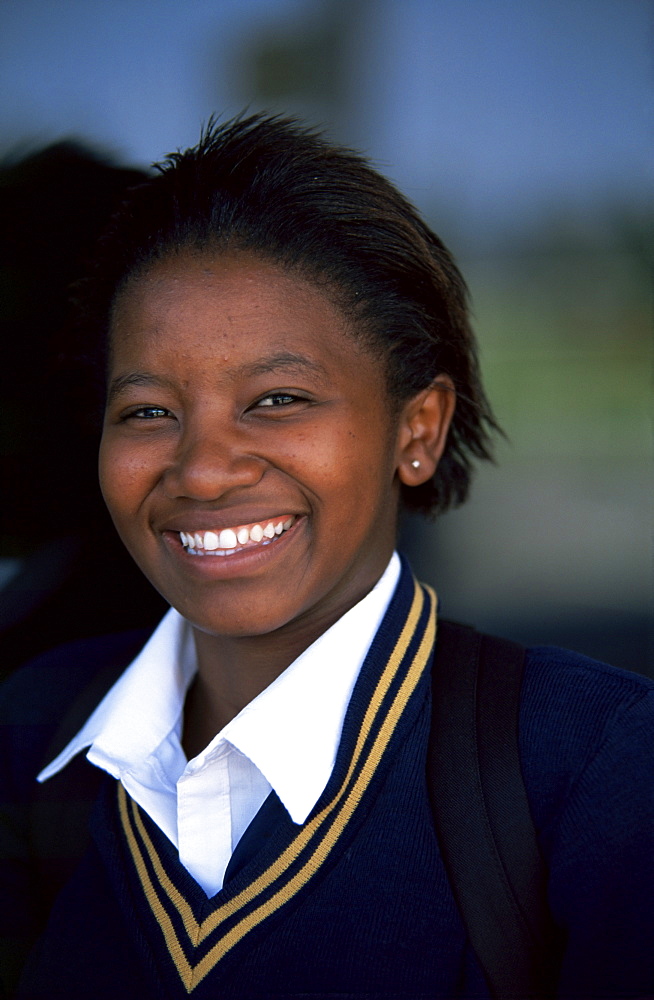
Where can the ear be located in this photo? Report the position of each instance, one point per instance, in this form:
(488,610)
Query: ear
(424,422)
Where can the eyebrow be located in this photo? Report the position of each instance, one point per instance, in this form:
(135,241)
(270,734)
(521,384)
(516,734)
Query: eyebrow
(283,361)
(139,379)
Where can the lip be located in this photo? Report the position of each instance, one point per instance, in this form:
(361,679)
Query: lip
(216,520)
(240,560)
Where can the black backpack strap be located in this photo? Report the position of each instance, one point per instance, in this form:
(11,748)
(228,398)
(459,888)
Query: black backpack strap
(481,811)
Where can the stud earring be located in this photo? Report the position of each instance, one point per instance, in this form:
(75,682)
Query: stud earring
(415,463)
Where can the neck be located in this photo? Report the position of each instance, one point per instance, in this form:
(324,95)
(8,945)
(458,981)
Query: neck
(231,673)
(233,670)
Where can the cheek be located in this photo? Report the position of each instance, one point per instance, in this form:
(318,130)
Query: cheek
(125,476)
(356,468)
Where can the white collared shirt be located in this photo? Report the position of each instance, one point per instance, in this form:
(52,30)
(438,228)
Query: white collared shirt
(285,739)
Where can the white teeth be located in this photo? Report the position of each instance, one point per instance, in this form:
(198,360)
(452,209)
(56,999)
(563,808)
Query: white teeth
(211,541)
(227,539)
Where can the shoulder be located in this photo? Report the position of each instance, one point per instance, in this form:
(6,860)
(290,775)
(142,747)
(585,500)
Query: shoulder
(587,746)
(36,698)
(584,725)
(570,703)
(39,688)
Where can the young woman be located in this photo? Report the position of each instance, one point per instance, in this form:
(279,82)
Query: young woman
(237,805)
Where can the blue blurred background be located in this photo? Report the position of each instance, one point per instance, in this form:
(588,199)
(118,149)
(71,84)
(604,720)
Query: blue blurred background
(522,129)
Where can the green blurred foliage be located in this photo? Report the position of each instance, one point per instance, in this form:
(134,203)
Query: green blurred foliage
(565,324)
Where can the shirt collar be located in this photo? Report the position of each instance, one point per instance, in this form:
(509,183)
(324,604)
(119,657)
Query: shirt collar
(291,731)
(144,704)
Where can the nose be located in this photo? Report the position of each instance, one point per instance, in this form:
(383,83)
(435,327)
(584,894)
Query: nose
(210,463)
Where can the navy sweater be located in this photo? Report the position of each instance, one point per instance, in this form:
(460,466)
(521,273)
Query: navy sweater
(355,902)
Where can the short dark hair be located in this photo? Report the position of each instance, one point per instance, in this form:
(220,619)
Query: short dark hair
(273,187)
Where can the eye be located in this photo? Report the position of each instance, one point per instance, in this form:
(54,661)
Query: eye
(147,413)
(279,399)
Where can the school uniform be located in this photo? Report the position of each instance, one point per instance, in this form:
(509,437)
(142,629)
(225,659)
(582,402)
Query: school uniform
(352,900)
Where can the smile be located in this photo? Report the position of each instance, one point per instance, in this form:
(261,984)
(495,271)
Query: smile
(226,541)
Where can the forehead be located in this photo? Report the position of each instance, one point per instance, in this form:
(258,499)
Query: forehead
(229,307)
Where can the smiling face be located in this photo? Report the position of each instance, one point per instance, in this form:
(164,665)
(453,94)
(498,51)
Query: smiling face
(249,454)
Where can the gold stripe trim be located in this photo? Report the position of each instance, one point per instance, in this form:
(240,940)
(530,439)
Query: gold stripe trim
(191,925)
(311,866)
(278,867)
(172,942)
(198,932)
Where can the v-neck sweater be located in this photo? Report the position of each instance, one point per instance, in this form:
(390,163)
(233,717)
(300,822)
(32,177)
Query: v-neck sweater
(356,902)
(285,740)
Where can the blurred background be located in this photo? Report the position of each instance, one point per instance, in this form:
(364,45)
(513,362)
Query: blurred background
(522,129)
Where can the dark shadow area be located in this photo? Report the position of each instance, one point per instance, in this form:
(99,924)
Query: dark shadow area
(64,574)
